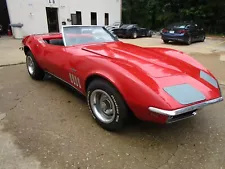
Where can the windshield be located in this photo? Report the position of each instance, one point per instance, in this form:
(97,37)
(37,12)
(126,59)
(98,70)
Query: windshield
(76,35)
(178,26)
(116,24)
(127,26)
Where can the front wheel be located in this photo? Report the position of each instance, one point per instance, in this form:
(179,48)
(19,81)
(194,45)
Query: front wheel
(203,38)
(166,41)
(189,40)
(33,68)
(149,34)
(106,105)
(134,35)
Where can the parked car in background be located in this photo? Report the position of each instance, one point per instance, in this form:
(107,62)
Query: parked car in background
(1,29)
(111,31)
(132,31)
(115,25)
(183,32)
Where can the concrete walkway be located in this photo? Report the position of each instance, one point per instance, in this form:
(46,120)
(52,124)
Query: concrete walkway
(9,51)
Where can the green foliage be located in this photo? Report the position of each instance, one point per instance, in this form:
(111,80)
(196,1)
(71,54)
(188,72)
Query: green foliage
(155,14)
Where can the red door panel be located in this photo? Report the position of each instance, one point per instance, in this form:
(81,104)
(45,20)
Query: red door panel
(57,61)
(76,63)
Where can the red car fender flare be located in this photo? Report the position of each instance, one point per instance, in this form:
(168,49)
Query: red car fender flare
(109,78)
(103,76)
(27,44)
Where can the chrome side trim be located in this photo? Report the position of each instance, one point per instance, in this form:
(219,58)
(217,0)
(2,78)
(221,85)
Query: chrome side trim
(63,36)
(64,81)
(185,109)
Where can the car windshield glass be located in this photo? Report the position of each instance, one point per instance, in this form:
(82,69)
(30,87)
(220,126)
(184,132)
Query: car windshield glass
(126,26)
(179,26)
(116,24)
(76,35)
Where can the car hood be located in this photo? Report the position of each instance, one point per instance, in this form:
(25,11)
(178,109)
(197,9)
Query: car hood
(155,62)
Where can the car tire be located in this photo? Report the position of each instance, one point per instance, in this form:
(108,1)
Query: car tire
(166,41)
(32,67)
(203,39)
(149,34)
(189,40)
(134,35)
(106,104)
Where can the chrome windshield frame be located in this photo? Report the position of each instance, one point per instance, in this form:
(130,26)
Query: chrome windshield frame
(66,26)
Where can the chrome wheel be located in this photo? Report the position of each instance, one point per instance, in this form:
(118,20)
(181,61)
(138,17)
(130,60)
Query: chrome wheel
(203,39)
(135,35)
(149,34)
(189,41)
(30,65)
(102,106)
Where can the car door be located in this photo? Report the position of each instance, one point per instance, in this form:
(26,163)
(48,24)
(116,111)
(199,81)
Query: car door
(138,30)
(201,33)
(193,32)
(198,32)
(143,31)
(77,67)
(57,61)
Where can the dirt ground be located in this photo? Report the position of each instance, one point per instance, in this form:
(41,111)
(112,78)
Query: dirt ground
(46,125)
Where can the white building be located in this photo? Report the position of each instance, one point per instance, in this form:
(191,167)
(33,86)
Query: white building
(43,16)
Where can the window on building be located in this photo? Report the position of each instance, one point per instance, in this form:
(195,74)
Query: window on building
(79,18)
(106,19)
(51,1)
(73,19)
(93,18)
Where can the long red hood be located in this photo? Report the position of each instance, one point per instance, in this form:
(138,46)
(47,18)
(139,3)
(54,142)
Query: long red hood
(155,62)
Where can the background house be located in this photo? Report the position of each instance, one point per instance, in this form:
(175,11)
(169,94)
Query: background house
(43,16)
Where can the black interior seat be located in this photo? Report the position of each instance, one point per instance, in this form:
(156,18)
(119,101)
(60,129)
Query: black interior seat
(58,42)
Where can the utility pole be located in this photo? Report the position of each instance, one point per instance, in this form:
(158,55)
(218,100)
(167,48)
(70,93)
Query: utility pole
(121,10)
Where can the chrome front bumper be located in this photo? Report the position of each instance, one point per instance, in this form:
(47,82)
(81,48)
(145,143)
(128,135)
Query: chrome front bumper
(189,109)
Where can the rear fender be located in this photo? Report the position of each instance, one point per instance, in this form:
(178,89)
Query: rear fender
(27,42)
(32,44)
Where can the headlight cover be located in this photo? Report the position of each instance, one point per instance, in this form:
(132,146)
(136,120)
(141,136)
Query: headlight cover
(209,79)
(185,93)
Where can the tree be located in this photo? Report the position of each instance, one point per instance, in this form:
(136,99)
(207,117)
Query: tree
(156,14)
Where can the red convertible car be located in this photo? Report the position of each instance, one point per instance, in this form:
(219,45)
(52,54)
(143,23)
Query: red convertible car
(119,79)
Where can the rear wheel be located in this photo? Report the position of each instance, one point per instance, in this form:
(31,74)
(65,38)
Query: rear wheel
(166,41)
(106,105)
(149,34)
(189,40)
(203,38)
(134,35)
(33,69)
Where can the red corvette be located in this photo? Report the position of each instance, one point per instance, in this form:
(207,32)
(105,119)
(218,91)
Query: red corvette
(155,84)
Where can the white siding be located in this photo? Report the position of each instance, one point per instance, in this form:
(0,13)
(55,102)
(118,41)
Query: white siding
(32,13)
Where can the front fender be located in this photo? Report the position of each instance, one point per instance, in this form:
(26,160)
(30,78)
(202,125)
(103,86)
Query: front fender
(138,90)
